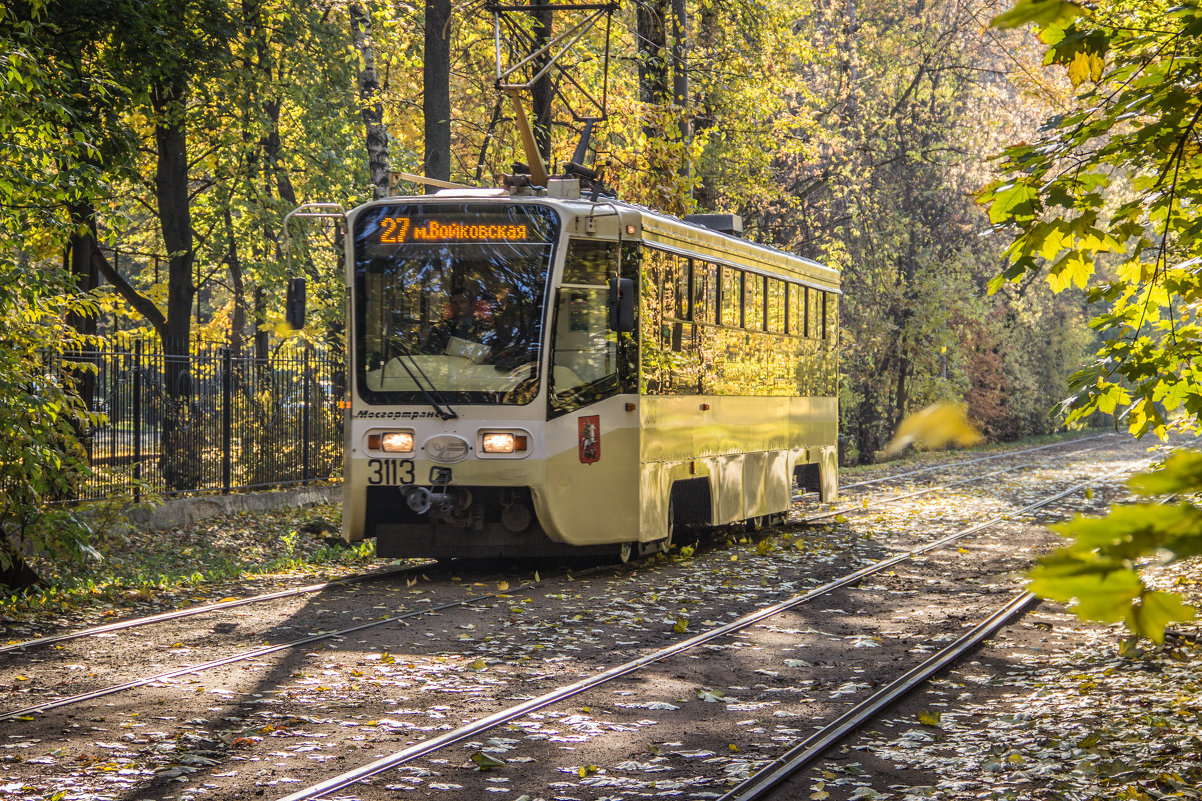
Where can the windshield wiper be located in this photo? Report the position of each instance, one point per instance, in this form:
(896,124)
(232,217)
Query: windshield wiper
(432,395)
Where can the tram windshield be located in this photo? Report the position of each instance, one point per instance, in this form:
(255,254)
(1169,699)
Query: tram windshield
(448,301)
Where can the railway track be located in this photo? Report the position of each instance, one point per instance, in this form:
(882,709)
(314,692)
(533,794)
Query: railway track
(179,614)
(336,634)
(485,724)
(766,780)
(479,600)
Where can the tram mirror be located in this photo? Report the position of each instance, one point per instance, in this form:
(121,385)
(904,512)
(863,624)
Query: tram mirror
(621,304)
(294,304)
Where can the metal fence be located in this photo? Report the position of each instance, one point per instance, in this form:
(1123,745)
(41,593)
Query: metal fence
(216,420)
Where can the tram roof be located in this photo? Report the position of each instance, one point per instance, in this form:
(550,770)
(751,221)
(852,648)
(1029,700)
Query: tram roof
(663,229)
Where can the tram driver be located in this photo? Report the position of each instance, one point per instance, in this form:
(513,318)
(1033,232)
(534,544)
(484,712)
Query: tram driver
(465,329)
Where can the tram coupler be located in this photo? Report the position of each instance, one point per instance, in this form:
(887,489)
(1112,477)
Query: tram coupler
(448,499)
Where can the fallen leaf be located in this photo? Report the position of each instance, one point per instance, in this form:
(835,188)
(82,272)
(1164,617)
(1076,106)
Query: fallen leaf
(487,761)
(930,717)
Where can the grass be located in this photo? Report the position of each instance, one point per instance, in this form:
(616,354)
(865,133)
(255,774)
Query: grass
(141,569)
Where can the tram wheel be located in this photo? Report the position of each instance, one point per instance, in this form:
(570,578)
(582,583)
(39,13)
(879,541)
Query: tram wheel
(625,552)
(755,523)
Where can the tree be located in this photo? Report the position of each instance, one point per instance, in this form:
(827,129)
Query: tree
(1107,197)
(436,90)
(48,168)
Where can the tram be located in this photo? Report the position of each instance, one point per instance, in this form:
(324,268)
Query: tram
(533,372)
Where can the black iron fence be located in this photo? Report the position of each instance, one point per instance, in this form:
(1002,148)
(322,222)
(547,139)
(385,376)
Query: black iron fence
(216,420)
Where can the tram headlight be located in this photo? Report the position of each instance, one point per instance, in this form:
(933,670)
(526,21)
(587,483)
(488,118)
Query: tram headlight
(392,441)
(502,442)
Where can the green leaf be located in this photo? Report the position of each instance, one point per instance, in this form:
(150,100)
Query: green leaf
(1156,610)
(487,761)
(1181,472)
(1013,202)
(1039,12)
(1102,592)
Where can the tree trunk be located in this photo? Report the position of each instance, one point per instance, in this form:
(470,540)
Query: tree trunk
(543,91)
(175,216)
(705,195)
(436,91)
(181,446)
(654,87)
(234,262)
(680,77)
(371,109)
(82,268)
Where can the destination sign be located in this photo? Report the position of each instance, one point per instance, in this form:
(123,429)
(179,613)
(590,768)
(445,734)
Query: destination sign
(401,230)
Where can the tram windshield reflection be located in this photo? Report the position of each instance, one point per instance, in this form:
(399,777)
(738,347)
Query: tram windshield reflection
(450,300)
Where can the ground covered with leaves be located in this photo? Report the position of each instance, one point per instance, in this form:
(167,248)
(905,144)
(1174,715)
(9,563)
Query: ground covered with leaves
(139,572)
(1075,705)
(1053,708)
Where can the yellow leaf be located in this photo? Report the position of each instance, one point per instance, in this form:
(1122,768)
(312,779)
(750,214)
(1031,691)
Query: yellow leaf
(930,717)
(734,748)
(478,664)
(1086,66)
(933,427)
(502,586)
(682,623)
(387,659)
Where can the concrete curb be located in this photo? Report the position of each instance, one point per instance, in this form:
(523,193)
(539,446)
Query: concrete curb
(177,512)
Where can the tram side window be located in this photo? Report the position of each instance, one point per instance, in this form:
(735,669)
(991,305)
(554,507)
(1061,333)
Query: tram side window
(730,312)
(674,281)
(753,302)
(584,356)
(775,321)
(813,313)
(684,270)
(590,262)
(705,292)
(797,310)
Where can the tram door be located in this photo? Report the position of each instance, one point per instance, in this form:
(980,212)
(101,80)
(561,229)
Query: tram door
(592,478)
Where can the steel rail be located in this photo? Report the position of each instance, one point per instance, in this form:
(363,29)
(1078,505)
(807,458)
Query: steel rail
(255,654)
(267,650)
(946,465)
(176,614)
(927,490)
(765,780)
(271,649)
(471,730)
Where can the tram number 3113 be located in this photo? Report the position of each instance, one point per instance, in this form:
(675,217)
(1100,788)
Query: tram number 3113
(390,472)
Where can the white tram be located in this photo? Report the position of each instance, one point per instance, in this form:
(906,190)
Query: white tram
(534,373)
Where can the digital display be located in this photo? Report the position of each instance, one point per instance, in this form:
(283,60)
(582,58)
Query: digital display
(403,230)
